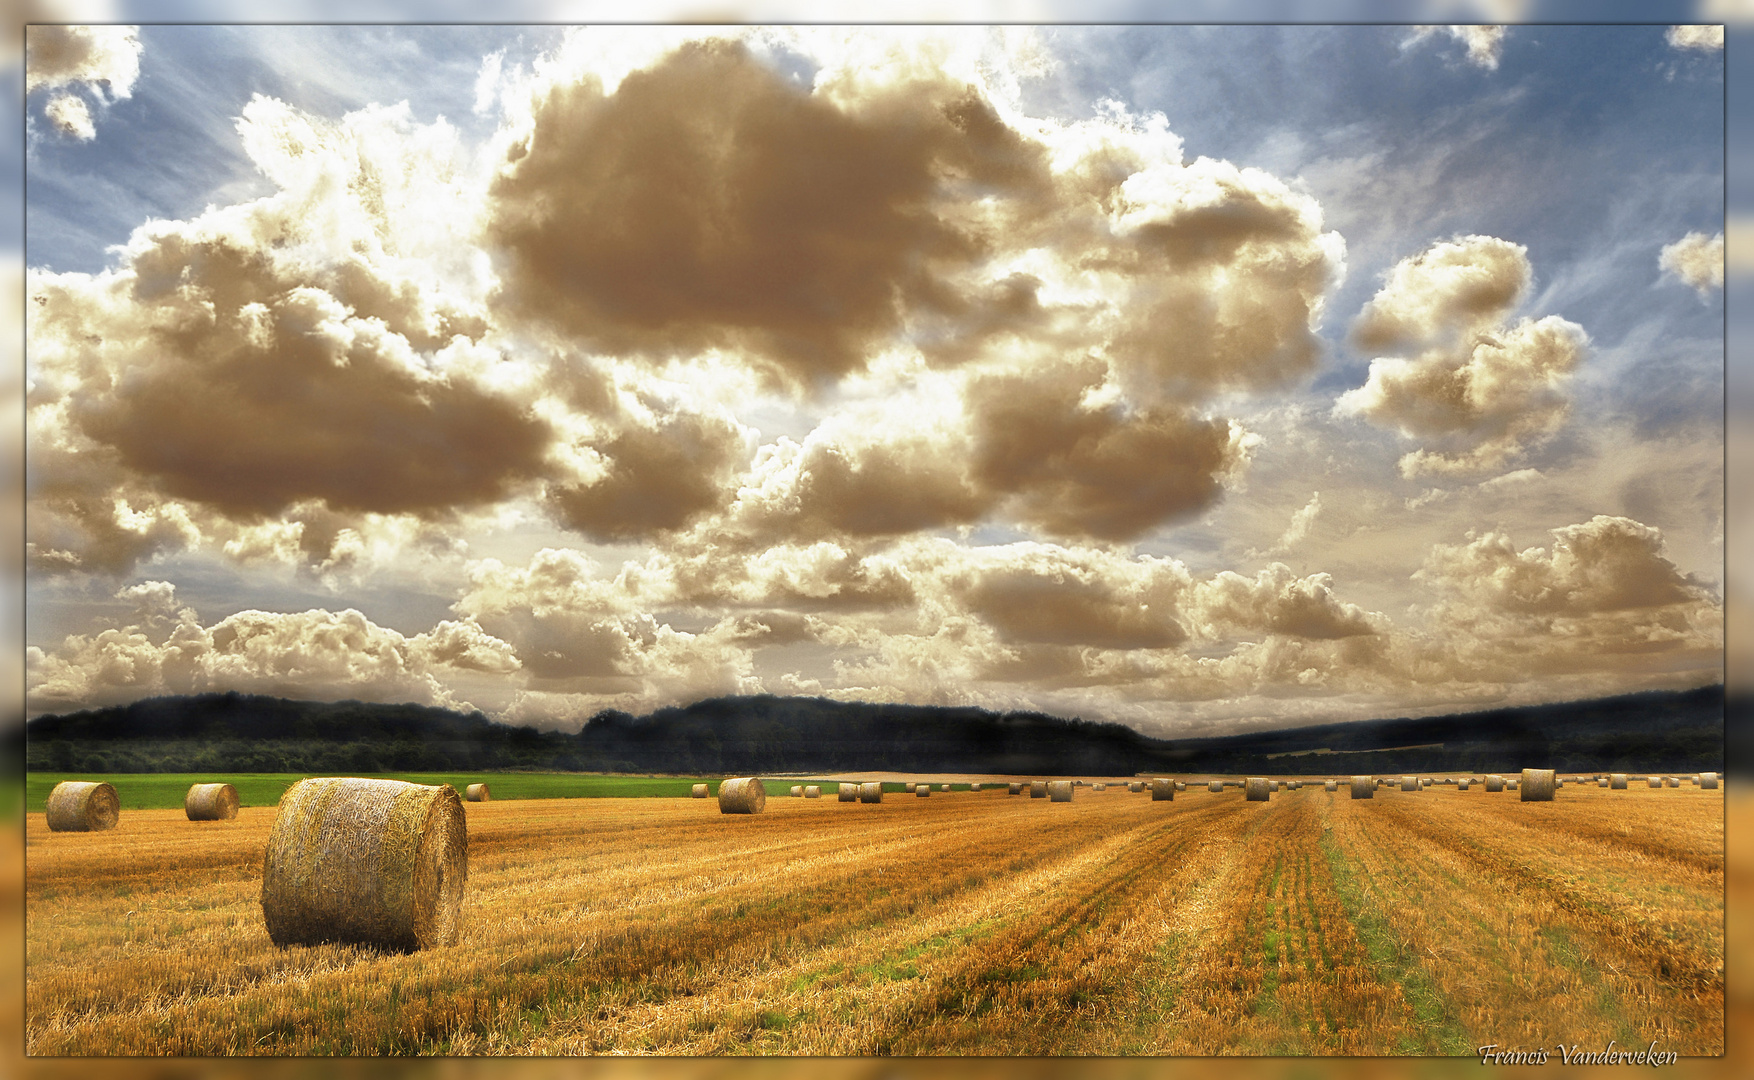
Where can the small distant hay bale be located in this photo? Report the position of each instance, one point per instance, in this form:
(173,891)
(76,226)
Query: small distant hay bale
(922,790)
(943,787)
(1162,790)
(211,802)
(1135,786)
(910,787)
(1215,787)
(974,787)
(1602,782)
(1708,781)
(477,793)
(813,791)
(1272,786)
(849,793)
(1014,789)
(1538,785)
(1674,781)
(742,795)
(1409,783)
(367,862)
(1330,785)
(698,791)
(1363,787)
(1181,785)
(1494,782)
(797,791)
(1060,790)
(871,791)
(1654,781)
(83,806)
(1510,785)
(1617,781)
(1462,784)
(1098,787)
(1257,789)
(1038,789)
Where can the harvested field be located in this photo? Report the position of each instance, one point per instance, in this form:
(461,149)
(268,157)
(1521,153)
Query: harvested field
(1311,924)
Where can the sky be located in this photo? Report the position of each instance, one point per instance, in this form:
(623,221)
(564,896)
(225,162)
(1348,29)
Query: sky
(1197,378)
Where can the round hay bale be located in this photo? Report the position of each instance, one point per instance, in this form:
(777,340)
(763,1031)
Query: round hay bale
(910,787)
(211,802)
(1708,781)
(1538,785)
(698,791)
(743,795)
(797,791)
(477,793)
(1603,782)
(974,787)
(1330,785)
(1135,786)
(943,787)
(1014,789)
(1038,789)
(1162,790)
(1462,784)
(871,791)
(1654,781)
(923,790)
(1674,781)
(1272,786)
(1510,785)
(1495,782)
(849,793)
(367,862)
(1258,789)
(1060,790)
(1215,787)
(813,791)
(1181,785)
(83,806)
(1617,781)
(1363,787)
(1098,787)
(1409,783)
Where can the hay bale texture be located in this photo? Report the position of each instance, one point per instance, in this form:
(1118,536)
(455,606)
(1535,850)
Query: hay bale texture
(698,791)
(1708,781)
(1215,787)
(83,806)
(1330,785)
(1135,786)
(1495,783)
(797,791)
(1060,790)
(1603,782)
(477,793)
(1409,783)
(1162,790)
(743,795)
(1363,787)
(1617,781)
(1014,789)
(211,802)
(871,791)
(943,787)
(1038,789)
(1654,781)
(910,787)
(1538,785)
(368,862)
(974,787)
(922,790)
(849,793)
(813,791)
(1462,784)
(1258,789)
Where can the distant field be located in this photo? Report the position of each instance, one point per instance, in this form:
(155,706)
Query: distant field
(1422,923)
(165,791)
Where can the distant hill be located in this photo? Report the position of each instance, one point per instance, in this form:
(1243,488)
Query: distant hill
(1656,731)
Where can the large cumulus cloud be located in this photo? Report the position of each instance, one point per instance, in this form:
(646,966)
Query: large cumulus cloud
(1477,389)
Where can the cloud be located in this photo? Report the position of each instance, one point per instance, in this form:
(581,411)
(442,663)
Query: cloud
(1696,260)
(1480,389)
(311,655)
(1276,601)
(1703,38)
(1295,533)
(1484,43)
(105,57)
(70,116)
(1040,594)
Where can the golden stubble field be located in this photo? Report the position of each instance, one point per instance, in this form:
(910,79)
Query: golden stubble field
(1412,923)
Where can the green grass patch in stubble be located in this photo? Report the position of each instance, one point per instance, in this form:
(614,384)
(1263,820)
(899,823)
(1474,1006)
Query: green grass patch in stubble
(1564,949)
(1393,962)
(904,964)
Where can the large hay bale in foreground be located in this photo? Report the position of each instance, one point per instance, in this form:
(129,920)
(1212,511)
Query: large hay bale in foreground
(1617,781)
(1409,783)
(1014,789)
(849,793)
(871,791)
(742,795)
(698,791)
(1538,785)
(813,791)
(1162,790)
(1038,789)
(211,802)
(1060,790)
(1708,781)
(83,806)
(1363,787)
(367,862)
(1495,782)
(1215,787)
(1257,789)
(477,793)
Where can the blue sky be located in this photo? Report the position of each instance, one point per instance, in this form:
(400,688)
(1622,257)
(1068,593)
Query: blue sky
(1568,539)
